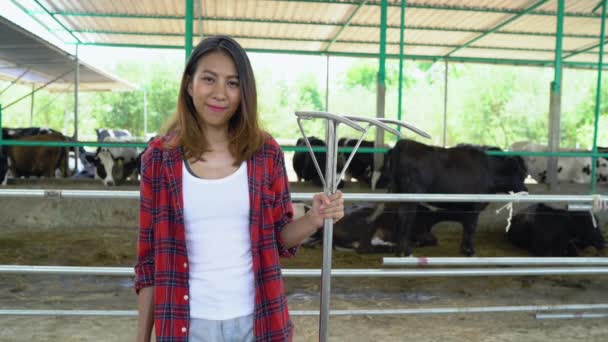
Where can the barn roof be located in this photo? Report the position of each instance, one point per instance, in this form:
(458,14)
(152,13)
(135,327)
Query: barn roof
(27,58)
(511,32)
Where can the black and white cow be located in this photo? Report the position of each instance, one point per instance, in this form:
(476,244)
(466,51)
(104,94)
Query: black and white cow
(103,133)
(115,164)
(569,169)
(362,165)
(424,169)
(546,231)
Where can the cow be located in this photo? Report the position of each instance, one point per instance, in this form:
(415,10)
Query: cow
(546,231)
(419,168)
(115,164)
(4,167)
(361,166)
(304,166)
(569,169)
(360,230)
(13,133)
(103,133)
(367,229)
(38,161)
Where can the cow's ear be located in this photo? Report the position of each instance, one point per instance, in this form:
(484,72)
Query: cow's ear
(90,158)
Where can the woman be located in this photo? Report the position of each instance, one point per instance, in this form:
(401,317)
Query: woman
(215,212)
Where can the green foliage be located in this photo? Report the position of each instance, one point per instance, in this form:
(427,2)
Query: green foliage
(487,104)
(126,109)
(119,110)
(51,109)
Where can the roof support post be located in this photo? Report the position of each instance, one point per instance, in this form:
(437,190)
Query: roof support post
(381,87)
(598,96)
(1,125)
(401,47)
(188,33)
(555,101)
(327,83)
(75,137)
(32,106)
(445,103)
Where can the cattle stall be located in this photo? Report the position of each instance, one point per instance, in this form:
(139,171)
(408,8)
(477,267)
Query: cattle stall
(463,49)
(66,195)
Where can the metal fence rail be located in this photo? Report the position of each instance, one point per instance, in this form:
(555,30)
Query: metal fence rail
(498,261)
(572,315)
(303,196)
(377,312)
(311,273)
(576,200)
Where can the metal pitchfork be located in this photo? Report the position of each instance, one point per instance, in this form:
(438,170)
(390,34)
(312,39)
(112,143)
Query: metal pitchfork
(330,184)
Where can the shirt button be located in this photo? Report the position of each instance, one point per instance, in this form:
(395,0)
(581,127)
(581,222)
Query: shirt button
(184,329)
(186,297)
(185,265)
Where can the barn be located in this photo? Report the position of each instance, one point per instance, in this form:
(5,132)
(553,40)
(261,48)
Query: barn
(555,36)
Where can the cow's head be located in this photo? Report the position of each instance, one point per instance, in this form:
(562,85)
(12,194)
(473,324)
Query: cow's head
(107,168)
(586,230)
(509,173)
(602,169)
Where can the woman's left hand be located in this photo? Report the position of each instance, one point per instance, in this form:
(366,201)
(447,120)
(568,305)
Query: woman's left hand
(324,206)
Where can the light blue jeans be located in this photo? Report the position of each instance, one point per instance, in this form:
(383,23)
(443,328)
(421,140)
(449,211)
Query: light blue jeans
(239,329)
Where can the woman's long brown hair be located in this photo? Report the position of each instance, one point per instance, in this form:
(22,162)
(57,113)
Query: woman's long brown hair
(244,132)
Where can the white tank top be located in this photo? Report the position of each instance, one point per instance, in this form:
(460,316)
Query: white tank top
(216,215)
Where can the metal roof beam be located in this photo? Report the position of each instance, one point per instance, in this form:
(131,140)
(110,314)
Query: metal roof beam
(317,23)
(346,23)
(499,26)
(574,53)
(290,39)
(55,18)
(452,8)
(31,15)
(520,62)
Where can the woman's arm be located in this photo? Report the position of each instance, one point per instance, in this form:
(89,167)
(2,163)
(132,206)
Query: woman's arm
(144,269)
(145,306)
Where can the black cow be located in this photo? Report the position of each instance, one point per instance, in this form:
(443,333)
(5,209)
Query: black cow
(3,166)
(418,168)
(304,166)
(361,166)
(370,228)
(546,231)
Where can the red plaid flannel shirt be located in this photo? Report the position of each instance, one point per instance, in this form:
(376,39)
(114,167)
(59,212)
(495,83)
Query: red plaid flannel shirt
(162,257)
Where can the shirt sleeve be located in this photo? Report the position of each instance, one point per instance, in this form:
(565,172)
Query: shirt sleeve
(144,268)
(282,205)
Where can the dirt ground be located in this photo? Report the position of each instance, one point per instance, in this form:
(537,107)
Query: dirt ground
(116,247)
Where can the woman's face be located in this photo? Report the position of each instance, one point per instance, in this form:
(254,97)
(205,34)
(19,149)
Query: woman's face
(215,90)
